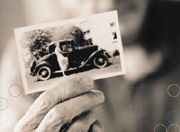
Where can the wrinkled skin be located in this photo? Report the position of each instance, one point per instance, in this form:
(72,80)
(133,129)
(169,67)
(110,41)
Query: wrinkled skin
(68,104)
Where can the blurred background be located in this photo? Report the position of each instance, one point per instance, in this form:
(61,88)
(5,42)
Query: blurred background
(150,32)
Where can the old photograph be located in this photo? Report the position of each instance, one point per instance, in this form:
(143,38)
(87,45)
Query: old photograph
(50,52)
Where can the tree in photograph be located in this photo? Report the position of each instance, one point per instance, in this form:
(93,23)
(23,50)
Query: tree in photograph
(38,41)
(72,32)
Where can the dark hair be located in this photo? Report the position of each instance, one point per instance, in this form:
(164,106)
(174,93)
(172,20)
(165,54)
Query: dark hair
(161,27)
(161,30)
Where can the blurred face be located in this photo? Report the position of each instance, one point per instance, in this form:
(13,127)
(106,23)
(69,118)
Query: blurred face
(131,12)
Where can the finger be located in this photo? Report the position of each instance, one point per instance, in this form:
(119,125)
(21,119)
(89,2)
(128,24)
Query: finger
(70,88)
(64,113)
(96,127)
(83,122)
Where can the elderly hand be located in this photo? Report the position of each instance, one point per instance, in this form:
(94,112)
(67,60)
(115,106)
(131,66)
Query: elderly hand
(65,107)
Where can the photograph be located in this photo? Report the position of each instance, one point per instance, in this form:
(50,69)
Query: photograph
(88,45)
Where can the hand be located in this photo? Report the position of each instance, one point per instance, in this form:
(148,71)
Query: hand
(65,107)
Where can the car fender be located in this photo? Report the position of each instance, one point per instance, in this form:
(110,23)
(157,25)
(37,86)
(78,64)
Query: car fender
(94,54)
(32,67)
(43,63)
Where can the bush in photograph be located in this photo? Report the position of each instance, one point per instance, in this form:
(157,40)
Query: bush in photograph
(39,39)
(36,42)
(116,53)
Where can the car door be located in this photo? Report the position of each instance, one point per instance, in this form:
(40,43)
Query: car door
(74,56)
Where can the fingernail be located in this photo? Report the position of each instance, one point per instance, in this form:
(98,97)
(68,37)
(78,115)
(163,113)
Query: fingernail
(87,82)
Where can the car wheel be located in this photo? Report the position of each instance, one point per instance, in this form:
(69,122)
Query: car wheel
(100,61)
(44,73)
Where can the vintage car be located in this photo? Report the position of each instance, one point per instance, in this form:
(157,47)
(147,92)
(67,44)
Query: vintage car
(78,57)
